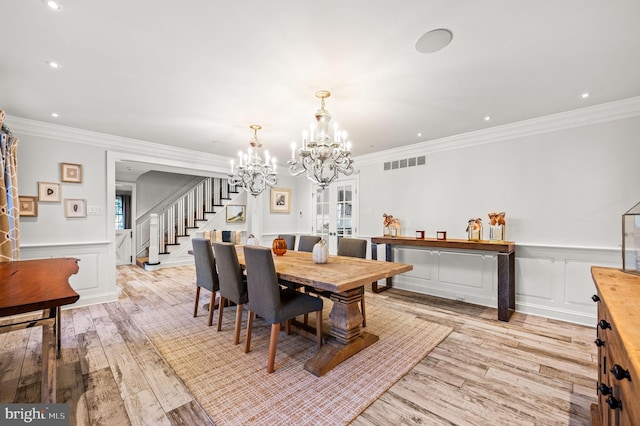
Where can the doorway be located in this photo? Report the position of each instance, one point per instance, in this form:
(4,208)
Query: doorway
(335,210)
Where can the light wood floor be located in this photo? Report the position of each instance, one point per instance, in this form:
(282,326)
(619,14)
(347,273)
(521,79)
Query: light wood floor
(529,371)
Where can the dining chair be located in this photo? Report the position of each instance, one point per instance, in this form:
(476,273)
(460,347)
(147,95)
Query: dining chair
(206,274)
(307,242)
(355,247)
(290,239)
(273,303)
(233,285)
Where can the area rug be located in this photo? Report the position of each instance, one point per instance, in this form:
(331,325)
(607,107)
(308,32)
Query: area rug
(235,389)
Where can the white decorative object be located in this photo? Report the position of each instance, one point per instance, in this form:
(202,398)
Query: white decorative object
(252,241)
(320,252)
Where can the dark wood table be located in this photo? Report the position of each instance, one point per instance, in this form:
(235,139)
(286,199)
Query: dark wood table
(506,251)
(344,277)
(32,285)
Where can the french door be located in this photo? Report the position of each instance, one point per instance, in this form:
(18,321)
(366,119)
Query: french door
(335,210)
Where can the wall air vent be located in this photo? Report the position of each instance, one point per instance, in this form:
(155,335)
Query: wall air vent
(406,162)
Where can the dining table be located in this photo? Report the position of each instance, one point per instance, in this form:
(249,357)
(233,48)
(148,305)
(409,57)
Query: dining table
(31,294)
(344,279)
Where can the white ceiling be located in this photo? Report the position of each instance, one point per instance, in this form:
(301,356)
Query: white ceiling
(197,73)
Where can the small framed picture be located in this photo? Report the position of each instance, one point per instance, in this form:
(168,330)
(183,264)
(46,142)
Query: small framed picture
(74,207)
(49,192)
(280,200)
(236,213)
(28,206)
(71,172)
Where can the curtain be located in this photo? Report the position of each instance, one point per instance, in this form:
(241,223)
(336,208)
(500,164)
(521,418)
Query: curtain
(9,209)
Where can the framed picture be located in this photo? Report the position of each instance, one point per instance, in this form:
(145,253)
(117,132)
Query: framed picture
(74,207)
(236,213)
(28,206)
(71,172)
(280,200)
(49,191)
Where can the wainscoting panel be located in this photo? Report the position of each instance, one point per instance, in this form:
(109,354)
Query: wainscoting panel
(95,280)
(551,281)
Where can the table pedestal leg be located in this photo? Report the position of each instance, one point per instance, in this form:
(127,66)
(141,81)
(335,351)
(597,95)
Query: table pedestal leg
(347,337)
(506,285)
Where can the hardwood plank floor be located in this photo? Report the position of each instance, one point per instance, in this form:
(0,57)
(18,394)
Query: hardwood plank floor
(529,371)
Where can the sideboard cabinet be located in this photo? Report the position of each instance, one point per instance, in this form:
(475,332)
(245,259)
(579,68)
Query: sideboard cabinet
(618,341)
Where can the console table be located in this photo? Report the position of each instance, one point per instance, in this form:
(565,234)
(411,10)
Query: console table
(38,285)
(506,263)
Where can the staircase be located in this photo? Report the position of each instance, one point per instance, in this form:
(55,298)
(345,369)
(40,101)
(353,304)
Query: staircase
(200,208)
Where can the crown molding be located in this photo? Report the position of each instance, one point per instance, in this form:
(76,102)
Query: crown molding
(618,110)
(137,147)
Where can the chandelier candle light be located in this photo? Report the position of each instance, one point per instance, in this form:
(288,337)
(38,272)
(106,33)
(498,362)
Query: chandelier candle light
(253,172)
(322,156)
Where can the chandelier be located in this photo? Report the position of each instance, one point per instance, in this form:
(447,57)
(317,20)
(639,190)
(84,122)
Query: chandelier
(253,172)
(322,156)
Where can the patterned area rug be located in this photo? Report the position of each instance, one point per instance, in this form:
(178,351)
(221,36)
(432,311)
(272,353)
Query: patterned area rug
(235,389)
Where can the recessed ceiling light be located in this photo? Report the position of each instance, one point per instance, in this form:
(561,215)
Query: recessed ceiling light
(487,118)
(585,95)
(434,40)
(53,64)
(419,134)
(54,114)
(52,4)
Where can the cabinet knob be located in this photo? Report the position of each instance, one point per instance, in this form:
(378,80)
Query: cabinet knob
(604,389)
(620,373)
(595,298)
(599,342)
(614,403)
(604,325)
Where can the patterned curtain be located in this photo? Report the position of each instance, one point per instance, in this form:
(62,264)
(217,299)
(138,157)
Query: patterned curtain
(9,209)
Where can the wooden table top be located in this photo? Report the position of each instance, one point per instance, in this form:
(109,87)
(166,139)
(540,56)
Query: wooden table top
(620,292)
(31,285)
(484,245)
(339,274)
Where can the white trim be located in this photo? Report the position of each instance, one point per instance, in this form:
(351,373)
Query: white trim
(618,110)
(68,244)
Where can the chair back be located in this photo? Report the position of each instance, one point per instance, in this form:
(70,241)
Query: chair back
(307,242)
(206,275)
(290,239)
(232,283)
(262,282)
(352,247)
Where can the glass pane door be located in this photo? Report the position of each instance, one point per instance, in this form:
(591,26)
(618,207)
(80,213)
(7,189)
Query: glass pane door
(335,212)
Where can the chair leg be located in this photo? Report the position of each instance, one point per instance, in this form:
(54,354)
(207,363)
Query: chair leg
(220,306)
(273,343)
(247,343)
(236,335)
(364,314)
(306,316)
(287,326)
(212,303)
(195,308)
(319,328)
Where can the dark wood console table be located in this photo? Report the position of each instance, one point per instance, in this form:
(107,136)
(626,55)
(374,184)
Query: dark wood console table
(506,263)
(27,286)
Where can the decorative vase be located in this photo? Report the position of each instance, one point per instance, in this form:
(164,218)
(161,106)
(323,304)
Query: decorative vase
(279,246)
(474,229)
(320,253)
(386,232)
(252,241)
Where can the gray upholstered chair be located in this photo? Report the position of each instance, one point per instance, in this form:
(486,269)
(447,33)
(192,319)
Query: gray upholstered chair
(273,303)
(233,285)
(290,239)
(206,274)
(307,242)
(354,247)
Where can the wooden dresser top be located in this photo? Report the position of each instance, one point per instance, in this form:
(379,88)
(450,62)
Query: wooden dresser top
(620,292)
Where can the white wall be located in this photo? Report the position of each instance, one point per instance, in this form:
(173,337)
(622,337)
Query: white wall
(564,192)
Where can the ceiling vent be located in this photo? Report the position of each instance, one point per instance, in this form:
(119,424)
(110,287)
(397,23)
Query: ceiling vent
(406,162)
